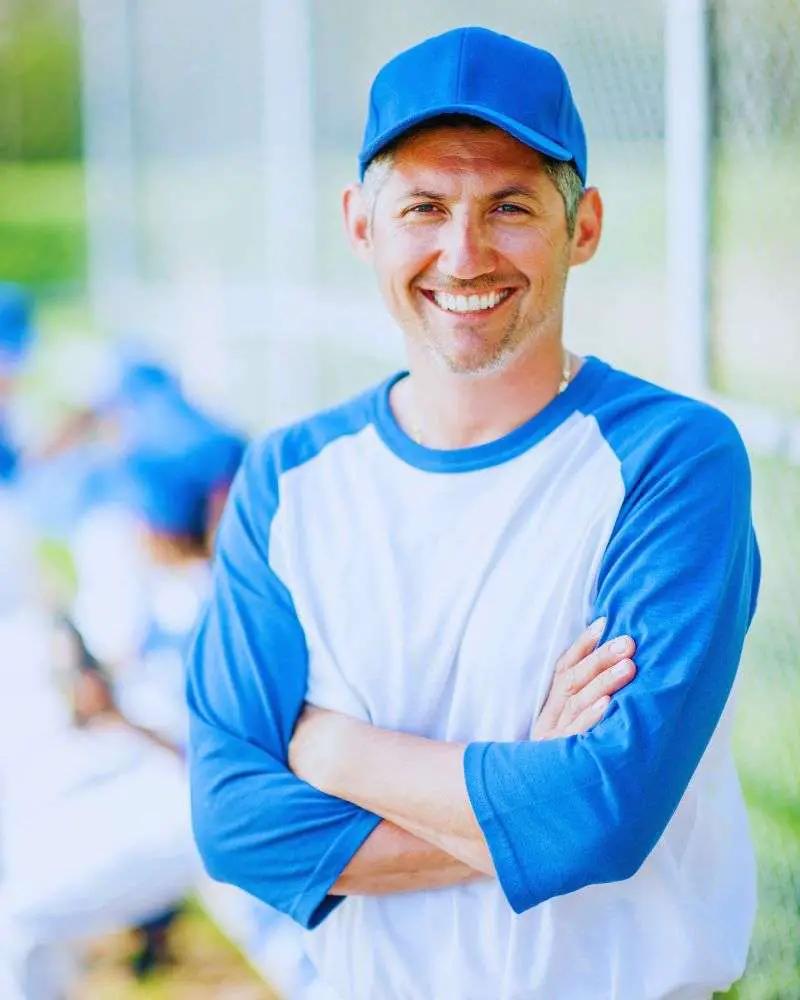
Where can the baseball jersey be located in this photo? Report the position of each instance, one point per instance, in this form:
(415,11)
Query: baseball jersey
(432,592)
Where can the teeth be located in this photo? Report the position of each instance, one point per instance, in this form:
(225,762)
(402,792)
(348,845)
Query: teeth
(468,303)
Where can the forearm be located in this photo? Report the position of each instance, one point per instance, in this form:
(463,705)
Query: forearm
(429,836)
(392,860)
(157,739)
(115,719)
(415,783)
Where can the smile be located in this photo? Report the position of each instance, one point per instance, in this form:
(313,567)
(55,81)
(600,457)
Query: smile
(468,303)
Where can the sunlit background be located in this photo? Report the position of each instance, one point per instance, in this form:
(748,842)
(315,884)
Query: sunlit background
(170,174)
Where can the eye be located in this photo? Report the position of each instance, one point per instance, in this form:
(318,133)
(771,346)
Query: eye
(422,208)
(508,208)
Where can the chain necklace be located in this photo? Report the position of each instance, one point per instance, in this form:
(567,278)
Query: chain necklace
(566,371)
(566,377)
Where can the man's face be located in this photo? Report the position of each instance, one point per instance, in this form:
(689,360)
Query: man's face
(468,238)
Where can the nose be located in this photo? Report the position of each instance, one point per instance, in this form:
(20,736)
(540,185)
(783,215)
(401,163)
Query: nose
(465,250)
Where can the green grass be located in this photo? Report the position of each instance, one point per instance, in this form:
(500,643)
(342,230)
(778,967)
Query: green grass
(42,224)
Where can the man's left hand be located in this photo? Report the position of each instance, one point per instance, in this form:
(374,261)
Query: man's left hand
(584,679)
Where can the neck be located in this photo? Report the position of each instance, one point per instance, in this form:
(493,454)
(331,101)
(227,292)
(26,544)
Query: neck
(446,411)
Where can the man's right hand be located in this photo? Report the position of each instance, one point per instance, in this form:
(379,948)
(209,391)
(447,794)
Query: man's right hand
(584,679)
(91,697)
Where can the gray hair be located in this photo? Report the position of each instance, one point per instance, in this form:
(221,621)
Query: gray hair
(569,186)
(562,174)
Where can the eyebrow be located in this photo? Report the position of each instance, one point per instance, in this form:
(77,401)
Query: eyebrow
(422,193)
(515,190)
(511,191)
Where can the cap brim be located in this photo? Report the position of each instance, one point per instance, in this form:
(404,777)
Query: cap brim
(535,140)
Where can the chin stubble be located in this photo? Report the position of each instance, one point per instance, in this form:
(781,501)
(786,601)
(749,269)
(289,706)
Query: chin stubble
(510,343)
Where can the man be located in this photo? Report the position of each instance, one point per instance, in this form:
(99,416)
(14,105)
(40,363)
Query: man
(410,563)
(175,501)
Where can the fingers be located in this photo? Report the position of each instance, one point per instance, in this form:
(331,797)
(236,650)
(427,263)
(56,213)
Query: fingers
(584,680)
(581,648)
(611,679)
(595,663)
(583,684)
(589,717)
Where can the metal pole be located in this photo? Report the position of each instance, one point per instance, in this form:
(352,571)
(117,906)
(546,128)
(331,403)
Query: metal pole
(290,211)
(288,138)
(110,179)
(688,138)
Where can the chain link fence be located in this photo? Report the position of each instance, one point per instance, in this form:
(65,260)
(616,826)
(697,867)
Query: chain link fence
(756,209)
(755,345)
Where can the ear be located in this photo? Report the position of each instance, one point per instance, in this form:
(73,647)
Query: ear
(588,227)
(357,221)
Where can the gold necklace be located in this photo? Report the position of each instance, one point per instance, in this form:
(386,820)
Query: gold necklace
(566,372)
(566,377)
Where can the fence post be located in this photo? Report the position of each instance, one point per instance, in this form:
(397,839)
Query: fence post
(293,371)
(688,139)
(109,171)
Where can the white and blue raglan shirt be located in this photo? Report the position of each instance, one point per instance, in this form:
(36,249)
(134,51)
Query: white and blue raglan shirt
(432,592)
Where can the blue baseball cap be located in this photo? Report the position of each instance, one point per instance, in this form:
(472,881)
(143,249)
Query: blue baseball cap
(473,71)
(171,493)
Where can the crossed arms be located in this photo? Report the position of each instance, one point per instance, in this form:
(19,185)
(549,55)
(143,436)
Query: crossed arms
(680,574)
(430,838)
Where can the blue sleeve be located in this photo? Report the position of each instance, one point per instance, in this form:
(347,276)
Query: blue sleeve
(680,574)
(257,825)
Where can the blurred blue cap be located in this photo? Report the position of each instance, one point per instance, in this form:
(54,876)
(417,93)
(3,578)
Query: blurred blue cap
(8,459)
(152,413)
(134,378)
(165,423)
(143,377)
(16,325)
(171,493)
(473,71)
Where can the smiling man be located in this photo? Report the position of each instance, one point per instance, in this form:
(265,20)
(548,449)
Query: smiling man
(369,685)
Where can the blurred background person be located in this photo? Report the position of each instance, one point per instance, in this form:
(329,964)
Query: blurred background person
(105,770)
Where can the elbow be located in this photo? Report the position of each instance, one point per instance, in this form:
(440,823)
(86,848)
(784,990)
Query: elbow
(619,857)
(215,863)
(614,852)
(632,827)
(211,850)
(617,851)
(212,842)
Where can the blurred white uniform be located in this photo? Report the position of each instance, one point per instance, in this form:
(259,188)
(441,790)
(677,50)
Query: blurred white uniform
(95,823)
(136,617)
